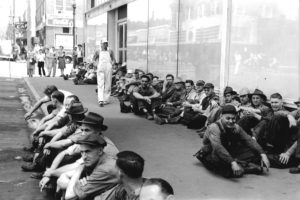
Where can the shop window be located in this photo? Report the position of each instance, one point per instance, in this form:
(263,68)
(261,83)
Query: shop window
(122,12)
(66,30)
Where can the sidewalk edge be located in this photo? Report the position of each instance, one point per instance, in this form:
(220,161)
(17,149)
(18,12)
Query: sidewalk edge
(35,94)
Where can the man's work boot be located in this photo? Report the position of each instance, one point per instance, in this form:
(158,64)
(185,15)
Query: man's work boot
(174,120)
(252,168)
(30,167)
(28,148)
(27,158)
(295,170)
(159,120)
(149,116)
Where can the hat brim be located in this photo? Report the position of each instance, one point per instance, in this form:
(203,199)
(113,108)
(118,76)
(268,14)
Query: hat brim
(77,113)
(102,126)
(264,97)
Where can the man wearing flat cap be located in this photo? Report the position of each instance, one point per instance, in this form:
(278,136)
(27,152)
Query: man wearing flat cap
(172,104)
(96,174)
(228,150)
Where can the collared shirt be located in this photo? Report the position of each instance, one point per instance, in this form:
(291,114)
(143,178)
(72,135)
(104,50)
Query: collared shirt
(40,57)
(226,142)
(170,89)
(191,95)
(265,111)
(101,179)
(177,97)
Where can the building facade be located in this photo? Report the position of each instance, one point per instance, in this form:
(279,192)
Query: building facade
(54,23)
(227,42)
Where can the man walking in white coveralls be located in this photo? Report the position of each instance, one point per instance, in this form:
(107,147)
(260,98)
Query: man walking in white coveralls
(104,73)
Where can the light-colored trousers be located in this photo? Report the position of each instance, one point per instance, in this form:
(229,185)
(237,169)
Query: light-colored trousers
(104,76)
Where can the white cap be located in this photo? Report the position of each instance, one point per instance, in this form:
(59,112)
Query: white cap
(104,40)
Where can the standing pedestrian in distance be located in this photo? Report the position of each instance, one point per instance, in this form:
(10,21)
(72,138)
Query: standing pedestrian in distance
(79,54)
(74,57)
(61,60)
(53,58)
(31,60)
(41,62)
(48,61)
(104,73)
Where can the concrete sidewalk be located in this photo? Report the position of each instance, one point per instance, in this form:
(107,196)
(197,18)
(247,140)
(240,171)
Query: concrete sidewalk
(168,151)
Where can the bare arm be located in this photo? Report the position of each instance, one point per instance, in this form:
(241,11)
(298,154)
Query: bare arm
(58,144)
(37,105)
(70,189)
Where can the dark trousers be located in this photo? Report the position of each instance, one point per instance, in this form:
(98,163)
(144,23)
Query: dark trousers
(142,104)
(213,162)
(41,68)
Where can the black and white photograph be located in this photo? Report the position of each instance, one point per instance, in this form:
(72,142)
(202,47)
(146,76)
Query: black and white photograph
(150,100)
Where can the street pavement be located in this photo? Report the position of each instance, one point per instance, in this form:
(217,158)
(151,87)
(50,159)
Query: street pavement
(168,151)
(14,131)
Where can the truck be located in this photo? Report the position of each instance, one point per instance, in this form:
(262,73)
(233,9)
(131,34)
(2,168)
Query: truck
(6,49)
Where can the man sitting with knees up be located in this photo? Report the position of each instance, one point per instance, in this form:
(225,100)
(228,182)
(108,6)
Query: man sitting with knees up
(229,150)
(95,175)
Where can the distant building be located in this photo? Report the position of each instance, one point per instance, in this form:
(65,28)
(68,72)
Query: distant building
(54,22)
(196,39)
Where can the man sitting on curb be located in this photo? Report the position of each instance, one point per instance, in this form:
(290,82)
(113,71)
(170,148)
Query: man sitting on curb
(228,150)
(95,175)
(58,168)
(131,167)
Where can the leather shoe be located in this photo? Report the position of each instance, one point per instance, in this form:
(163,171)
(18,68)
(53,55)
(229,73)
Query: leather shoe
(159,120)
(37,175)
(31,167)
(295,170)
(28,148)
(252,168)
(27,158)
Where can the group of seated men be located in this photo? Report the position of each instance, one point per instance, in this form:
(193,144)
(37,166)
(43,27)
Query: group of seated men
(243,133)
(74,160)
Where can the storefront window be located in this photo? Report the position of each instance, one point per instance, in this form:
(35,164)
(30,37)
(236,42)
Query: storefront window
(163,31)
(95,31)
(264,46)
(137,23)
(200,40)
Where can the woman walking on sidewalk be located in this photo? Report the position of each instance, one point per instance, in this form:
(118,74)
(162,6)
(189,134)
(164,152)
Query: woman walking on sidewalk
(61,60)
(41,62)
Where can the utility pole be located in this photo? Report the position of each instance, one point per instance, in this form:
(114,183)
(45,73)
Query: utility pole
(13,23)
(74,38)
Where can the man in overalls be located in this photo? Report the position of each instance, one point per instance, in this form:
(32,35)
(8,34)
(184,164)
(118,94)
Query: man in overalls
(104,73)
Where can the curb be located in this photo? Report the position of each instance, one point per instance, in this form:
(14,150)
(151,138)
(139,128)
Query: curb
(36,95)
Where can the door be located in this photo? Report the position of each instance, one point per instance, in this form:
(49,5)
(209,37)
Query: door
(122,41)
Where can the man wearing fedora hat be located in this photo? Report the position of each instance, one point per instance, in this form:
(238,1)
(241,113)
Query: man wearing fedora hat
(76,113)
(96,174)
(73,152)
(104,73)
(228,150)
